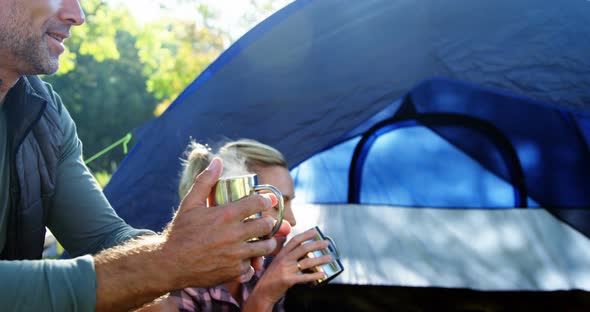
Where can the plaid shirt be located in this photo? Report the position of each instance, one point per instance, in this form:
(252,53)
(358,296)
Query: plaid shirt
(217,298)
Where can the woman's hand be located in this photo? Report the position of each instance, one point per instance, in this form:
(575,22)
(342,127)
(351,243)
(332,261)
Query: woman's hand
(286,270)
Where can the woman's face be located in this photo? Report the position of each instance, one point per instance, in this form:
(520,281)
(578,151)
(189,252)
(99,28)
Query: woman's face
(280,178)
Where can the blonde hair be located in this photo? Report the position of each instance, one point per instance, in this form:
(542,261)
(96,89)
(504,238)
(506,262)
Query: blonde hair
(251,152)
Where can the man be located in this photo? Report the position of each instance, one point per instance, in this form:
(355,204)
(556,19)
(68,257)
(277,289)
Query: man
(43,182)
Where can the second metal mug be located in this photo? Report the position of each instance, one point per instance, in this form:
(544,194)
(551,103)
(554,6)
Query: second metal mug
(236,187)
(330,269)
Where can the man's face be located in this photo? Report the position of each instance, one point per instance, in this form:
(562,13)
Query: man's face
(32,33)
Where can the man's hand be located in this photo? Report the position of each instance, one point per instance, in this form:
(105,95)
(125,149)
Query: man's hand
(209,244)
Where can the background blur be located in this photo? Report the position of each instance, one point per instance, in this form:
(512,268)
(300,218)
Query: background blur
(132,58)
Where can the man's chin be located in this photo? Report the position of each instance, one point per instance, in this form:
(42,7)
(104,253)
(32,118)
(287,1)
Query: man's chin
(42,62)
(47,68)
(51,67)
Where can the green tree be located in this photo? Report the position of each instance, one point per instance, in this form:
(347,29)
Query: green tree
(176,51)
(119,71)
(107,99)
(104,88)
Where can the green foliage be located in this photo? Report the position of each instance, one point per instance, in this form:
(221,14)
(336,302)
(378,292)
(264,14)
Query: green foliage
(97,37)
(104,89)
(176,56)
(107,98)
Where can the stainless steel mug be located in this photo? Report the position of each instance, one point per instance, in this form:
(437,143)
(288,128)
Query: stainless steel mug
(233,188)
(330,269)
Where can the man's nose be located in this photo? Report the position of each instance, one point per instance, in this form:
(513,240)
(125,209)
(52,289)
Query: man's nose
(71,12)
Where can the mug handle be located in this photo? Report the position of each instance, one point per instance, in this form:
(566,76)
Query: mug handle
(333,245)
(281,204)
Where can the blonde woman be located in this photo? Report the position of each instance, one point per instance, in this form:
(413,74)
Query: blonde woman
(283,269)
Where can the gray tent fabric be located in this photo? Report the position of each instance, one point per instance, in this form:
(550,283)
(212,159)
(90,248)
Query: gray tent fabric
(479,249)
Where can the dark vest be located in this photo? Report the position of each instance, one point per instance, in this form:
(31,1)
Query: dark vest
(35,139)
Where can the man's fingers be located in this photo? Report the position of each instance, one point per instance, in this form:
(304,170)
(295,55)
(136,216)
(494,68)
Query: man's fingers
(260,248)
(256,228)
(203,184)
(253,204)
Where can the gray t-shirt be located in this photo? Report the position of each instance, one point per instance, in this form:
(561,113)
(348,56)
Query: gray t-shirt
(80,218)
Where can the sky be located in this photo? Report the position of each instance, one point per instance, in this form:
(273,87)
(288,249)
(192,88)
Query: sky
(229,12)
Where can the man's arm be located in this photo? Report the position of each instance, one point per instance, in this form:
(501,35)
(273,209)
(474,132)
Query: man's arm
(80,216)
(47,285)
(203,246)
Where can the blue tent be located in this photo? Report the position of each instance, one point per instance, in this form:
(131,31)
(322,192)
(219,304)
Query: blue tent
(477,105)
(325,72)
